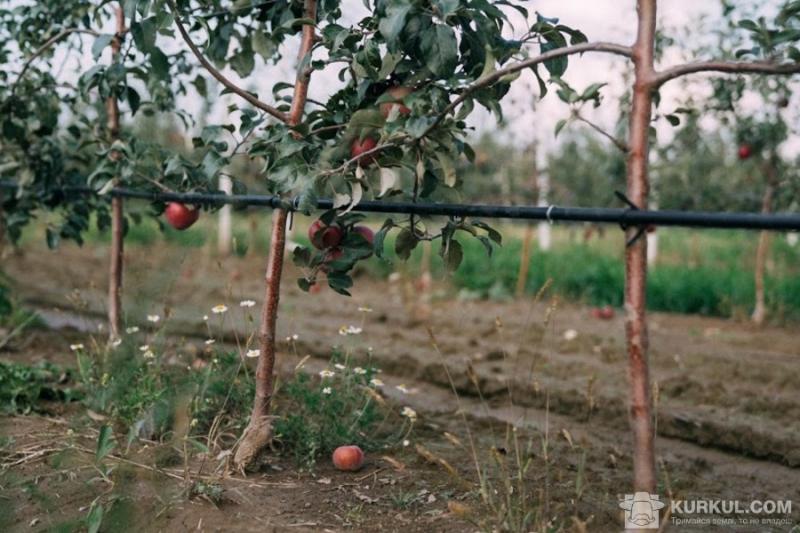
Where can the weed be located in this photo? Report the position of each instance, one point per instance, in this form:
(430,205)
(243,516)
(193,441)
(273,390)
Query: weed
(24,387)
(340,406)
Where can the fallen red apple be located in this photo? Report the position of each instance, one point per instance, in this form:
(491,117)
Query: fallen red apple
(348,458)
(606,312)
(323,236)
(397,94)
(180,216)
(745,151)
(361,146)
(365,232)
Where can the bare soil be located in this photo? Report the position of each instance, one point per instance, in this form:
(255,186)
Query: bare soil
(727,397)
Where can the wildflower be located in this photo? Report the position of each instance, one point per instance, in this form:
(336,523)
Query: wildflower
(403,389)
(409,412)
(149,354)
(406,442)
(116,342)
(363,309)
(144,347)
(339,366)
(359,370)
(219,309)
(131,330)
(570,334)
(369,349)
(193,423)
(209,342)
(247,303)
(349,330)
(205,318)
(76,347)
(327,374)
(153,318)
(253,353)
(295,337)
(375,382)
(327,390)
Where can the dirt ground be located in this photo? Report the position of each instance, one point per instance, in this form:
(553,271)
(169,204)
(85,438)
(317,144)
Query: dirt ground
(727,397)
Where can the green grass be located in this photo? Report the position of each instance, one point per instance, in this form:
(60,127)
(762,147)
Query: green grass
(704,272)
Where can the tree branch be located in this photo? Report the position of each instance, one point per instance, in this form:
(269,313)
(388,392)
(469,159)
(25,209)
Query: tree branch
(252,100)
(42,49)
(731,67)
(617,142)
(513,68)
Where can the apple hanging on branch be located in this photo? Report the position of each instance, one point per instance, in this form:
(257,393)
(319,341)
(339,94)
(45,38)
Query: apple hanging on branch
(180,216)
(745,151)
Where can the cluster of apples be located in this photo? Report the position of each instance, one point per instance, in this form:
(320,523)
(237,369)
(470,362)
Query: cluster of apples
(328,237)
(395,97)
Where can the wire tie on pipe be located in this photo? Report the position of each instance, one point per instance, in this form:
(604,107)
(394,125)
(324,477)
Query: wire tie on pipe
(547,214)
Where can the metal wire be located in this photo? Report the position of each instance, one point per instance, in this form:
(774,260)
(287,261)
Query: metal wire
(625,217)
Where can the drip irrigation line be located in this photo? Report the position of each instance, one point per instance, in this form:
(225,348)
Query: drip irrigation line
(625,217)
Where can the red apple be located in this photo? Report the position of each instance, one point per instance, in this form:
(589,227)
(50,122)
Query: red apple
(348,458)
(606,312)
(331,256)
(360,146)
(180,216)
(365,232)
(323,236)
(745,151)
(397,94)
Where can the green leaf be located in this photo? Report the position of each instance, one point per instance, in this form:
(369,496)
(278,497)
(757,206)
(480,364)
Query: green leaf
(100,44)
(393,23)
(405,243)
(95,517)
(560,126)
(673,119)
(263,45)
(448,168)
(454,255)
(440,50)
(243,62)
(105,443)
(144,34)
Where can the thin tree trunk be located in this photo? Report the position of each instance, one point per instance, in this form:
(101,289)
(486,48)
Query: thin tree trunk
(636,255)
(760,309)
(524,261)
(258,433)
(115,266)
(224,227)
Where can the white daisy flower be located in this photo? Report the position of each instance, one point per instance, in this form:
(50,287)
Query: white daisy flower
(327,390)
(205,318)
(209,342)
(131,330)
(570,334)
(253,353)
(295,337)
(409,412)
(375,382)
(76,347)
(364,310)
(116,342)
(149,354)
(153,318)
(327,373)
(406,442)
(402,388)
(339,366)
(247,303)
(359,370)
(144,347)
(219,309)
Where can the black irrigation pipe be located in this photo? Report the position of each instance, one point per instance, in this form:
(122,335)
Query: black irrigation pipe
(626,217)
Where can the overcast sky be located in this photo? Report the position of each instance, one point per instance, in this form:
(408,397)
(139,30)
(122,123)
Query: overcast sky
(527,118)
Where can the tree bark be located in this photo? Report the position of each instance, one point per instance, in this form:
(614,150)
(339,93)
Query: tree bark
(115,266)
(760,309)
(636,254)
(258,433)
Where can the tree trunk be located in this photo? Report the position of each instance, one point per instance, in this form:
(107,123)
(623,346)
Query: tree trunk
(760,309)
(636,254)
(258,433)
(117,224)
